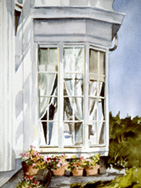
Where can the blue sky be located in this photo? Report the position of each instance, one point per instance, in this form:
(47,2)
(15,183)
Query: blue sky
(125,62)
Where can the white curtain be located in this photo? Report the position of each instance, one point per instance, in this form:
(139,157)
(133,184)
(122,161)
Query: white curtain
(73,61)
(47,86)
(96,89)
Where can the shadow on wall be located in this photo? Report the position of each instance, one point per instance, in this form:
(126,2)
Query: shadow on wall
(24,132)
(23,36)
(9,5)
(23,113)
(20,53)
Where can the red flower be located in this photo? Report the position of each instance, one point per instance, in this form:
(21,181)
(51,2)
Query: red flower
(48,159)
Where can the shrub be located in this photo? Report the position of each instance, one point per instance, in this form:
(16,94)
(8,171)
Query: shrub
(130,179)
(125,136)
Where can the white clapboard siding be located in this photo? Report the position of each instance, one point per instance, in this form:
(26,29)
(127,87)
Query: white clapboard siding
(7,159)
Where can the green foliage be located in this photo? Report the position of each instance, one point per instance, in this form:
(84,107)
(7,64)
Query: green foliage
(57,161)
(29,182)
(132,179)
(76,162)
(92,160)
(125,136)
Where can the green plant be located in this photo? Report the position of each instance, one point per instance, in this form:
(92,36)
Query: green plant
(75,162)
(33,157)
(92,160)
(29,182)
(130,179)
(57,161)
(125,134)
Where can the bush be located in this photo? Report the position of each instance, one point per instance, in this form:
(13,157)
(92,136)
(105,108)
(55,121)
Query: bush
(124,147)
(131,180)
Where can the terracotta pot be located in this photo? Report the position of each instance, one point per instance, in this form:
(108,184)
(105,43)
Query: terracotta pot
(29,170)
(92,170)
(59,171)
(78,171)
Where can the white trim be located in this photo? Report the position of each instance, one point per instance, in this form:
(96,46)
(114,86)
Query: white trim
(97,149)
(7,62)
(60,97)
(107,99)
(86,88)
(76,12)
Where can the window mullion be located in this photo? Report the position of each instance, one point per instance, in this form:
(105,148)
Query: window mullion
(86,88)
(60,98)
(106,110)
(97,100)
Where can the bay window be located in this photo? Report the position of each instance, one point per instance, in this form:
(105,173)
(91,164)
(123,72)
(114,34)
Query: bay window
(71,96)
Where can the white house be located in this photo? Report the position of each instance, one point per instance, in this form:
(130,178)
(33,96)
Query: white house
(54,76)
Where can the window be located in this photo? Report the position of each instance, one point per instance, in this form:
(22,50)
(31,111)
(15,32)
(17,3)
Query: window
(96,97)
(71,93)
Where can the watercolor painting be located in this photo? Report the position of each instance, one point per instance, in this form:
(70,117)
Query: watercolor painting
(70,93)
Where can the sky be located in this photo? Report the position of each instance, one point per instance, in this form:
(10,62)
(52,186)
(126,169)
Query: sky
(125,62)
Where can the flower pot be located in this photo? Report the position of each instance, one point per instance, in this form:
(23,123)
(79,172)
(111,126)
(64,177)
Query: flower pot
(29,170)
(78,171)
(92,170)
(59,171)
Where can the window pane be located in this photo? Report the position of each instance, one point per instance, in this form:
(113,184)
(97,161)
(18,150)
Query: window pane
(68,134)
(44,126)
(78,133)
(102,63)
(52,134)
(101,109)
(43,107)
(77,104)
(101,132)
(92,109)
(101,89)
(48,59)
(69,87)
(92,133)
(73,59)
(93,87)
(43,59)
(73,108)
(47,84)
(68,111)
(53,109)
(73,134)
(73,87)
(78,87)
(93,66)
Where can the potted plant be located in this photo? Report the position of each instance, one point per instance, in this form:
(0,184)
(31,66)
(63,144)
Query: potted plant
(29,181)
(32,161)
(76,165)
(92,164)
(58,164)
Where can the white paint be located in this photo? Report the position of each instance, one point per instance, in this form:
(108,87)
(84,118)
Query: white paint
(102,4)
(92,22)
(7,153)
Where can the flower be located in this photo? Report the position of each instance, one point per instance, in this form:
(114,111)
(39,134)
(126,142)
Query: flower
(33,157)
(75,162)
(57,161)
(29,182)
(92,160)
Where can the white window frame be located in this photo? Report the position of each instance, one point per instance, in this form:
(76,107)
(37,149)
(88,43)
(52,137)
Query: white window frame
(102,148)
